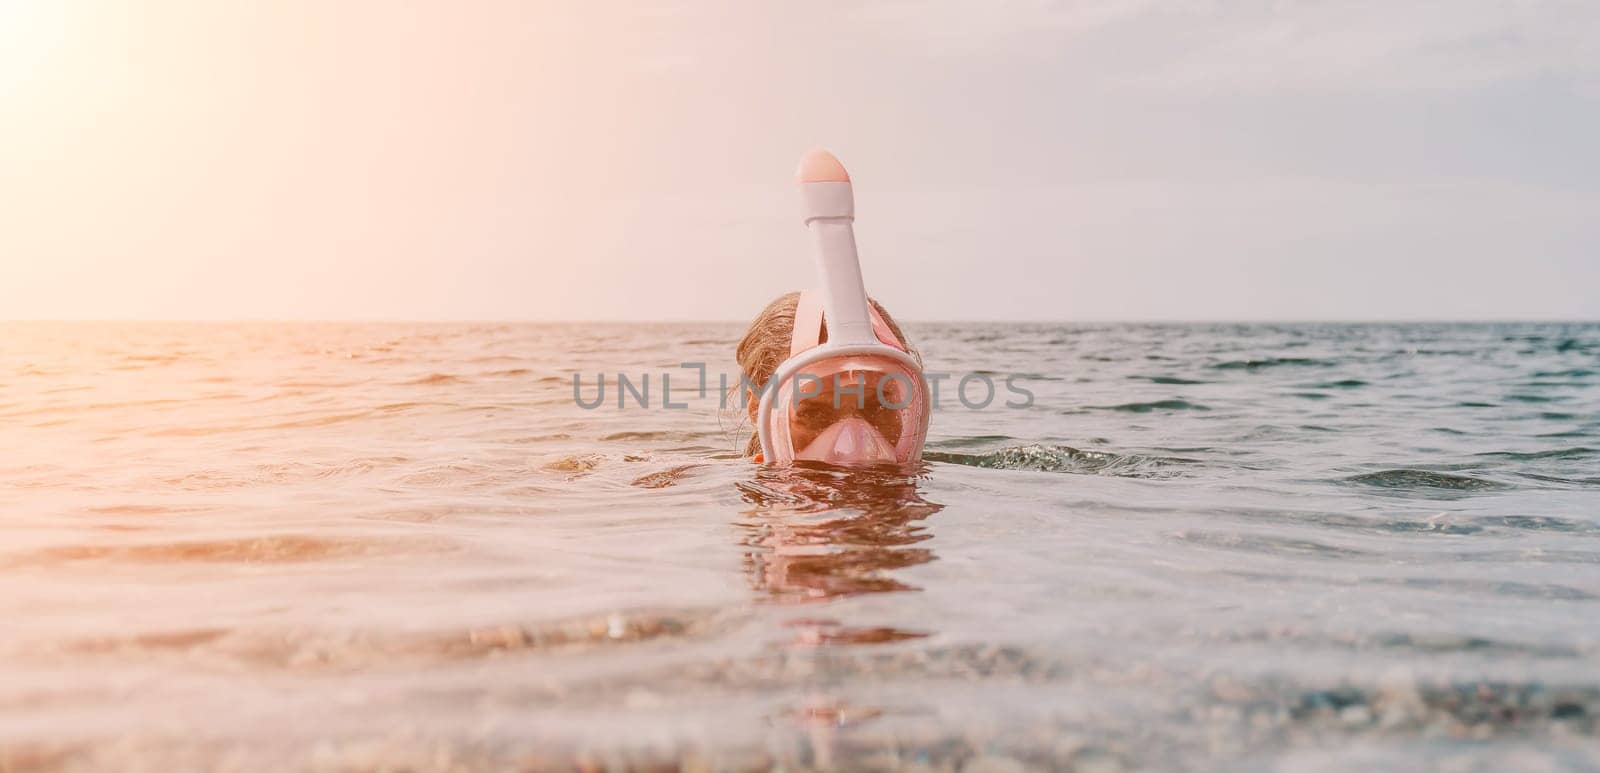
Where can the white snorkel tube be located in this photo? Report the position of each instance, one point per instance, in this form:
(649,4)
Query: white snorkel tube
(830,216)
(859,340)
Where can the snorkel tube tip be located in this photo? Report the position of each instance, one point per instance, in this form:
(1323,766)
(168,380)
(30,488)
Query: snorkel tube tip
(820,166)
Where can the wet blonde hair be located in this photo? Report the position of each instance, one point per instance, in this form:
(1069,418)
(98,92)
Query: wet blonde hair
(766,345)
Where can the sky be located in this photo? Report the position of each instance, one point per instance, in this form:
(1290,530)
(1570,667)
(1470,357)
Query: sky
(597,160)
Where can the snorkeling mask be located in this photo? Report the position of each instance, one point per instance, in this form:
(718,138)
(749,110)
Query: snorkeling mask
(860,397)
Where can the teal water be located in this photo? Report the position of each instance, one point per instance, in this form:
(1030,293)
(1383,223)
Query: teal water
(405,546)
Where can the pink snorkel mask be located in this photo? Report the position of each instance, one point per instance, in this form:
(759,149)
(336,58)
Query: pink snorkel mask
(859,398)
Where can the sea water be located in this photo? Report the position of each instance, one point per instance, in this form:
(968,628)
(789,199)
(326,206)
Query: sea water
(370,546)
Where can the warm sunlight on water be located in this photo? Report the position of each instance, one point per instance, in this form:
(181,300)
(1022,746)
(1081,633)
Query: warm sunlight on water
(404,546)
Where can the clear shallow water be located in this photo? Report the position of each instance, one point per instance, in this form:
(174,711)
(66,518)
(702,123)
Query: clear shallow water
(1302,547)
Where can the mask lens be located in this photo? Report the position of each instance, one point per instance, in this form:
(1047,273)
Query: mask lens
(852,403)
(849,394)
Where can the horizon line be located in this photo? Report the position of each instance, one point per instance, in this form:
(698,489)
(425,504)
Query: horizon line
(948,321)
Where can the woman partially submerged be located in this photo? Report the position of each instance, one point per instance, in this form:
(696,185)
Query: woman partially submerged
(832,377)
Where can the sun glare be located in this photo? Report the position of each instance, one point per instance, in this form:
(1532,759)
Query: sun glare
(32,35)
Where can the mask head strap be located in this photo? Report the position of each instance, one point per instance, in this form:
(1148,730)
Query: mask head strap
(808,321)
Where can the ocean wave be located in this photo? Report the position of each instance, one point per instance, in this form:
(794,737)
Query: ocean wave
(1272,362)
(436,379)
(1424,480)
(1520,398)
(1155,405)
(1169,380)
(1580,452)
(1057,458)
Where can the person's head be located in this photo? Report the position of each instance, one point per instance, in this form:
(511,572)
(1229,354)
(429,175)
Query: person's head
(767,344)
